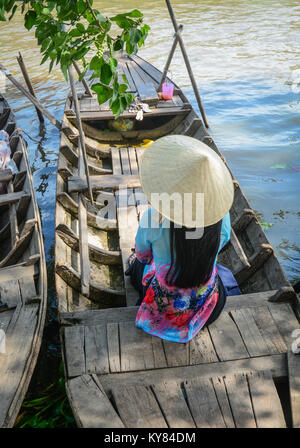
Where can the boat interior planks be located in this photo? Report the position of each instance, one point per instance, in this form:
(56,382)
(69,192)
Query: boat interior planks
(23,276)
(228,374)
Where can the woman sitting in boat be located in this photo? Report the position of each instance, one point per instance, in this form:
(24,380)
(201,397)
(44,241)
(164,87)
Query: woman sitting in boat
(174,265)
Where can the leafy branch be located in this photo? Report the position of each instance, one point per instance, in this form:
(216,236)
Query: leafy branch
(68,30)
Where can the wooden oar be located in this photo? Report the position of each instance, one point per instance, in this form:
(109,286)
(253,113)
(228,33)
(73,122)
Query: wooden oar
(31,98)
(187,62)
(29,85)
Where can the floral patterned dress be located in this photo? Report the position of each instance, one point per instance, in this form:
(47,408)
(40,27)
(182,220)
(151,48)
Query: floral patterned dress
(171,313)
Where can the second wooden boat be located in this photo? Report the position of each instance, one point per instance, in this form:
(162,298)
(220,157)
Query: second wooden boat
(23,276)
(231,374)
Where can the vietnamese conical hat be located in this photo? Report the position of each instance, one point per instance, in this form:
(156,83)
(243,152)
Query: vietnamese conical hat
(181,175)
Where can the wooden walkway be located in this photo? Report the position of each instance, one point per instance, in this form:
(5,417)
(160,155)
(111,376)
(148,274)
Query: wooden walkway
(225,377)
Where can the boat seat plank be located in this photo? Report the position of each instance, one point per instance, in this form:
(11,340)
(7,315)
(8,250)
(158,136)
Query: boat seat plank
(113,343)
(221,393)
(158,352)
(88,317)
(266,402)
(135,348)
(269,330)
(250,333)
(103,182)
(137,407)
(176,354)
(240,401)
(203,403)
(146,90)
(74,350)
(96,349)
(202,349)
(9,198)
(173,404)
(227,340)
(90,403)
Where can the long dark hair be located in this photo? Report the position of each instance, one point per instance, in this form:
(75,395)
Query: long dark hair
(194,259)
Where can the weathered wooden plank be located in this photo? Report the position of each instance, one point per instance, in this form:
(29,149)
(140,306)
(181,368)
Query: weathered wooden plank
(91,407)
(135,348)
(96,351)
(266,403)
(95,253)
(250,333)
(285,319)
(138,407)
(233,255)
(132,295)
(240,402)
(202,349)
(113,344)
(294,383)
(173,405)
(227,339)
(146,91)
(9,285)
(219,386)
(176,354)
(19,336)
(94,317)
(275,363)
(203,403)
(269,330)
(10,198)
(158,352)
(103,182)
(74,350)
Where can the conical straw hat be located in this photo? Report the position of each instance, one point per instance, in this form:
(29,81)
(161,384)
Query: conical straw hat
(186,181)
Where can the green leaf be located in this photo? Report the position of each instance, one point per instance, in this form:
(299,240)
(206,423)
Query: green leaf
(80,28)
(135,13)
(113,63)
(118,45)
(30,19)
(2,15)
(96,63)
(104,92)
(106,73)
(123,88)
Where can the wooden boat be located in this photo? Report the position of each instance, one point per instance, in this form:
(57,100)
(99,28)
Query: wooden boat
(23,280)
(232,374)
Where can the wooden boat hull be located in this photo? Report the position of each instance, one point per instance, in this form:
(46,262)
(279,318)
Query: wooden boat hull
(23,277)
(107,359)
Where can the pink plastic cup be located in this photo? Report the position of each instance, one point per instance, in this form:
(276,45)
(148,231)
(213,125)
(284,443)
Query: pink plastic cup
(167,90)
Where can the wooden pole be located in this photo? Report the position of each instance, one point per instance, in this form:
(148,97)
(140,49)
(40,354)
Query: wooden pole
(29,85)
(86,86)
(170,57)
(81,141)
(82,214)
(31,98)
(187,63)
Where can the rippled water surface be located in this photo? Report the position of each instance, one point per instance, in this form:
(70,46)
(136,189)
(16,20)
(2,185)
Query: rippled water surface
(245,57)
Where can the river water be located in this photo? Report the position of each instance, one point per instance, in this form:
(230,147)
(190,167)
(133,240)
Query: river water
(245,57)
